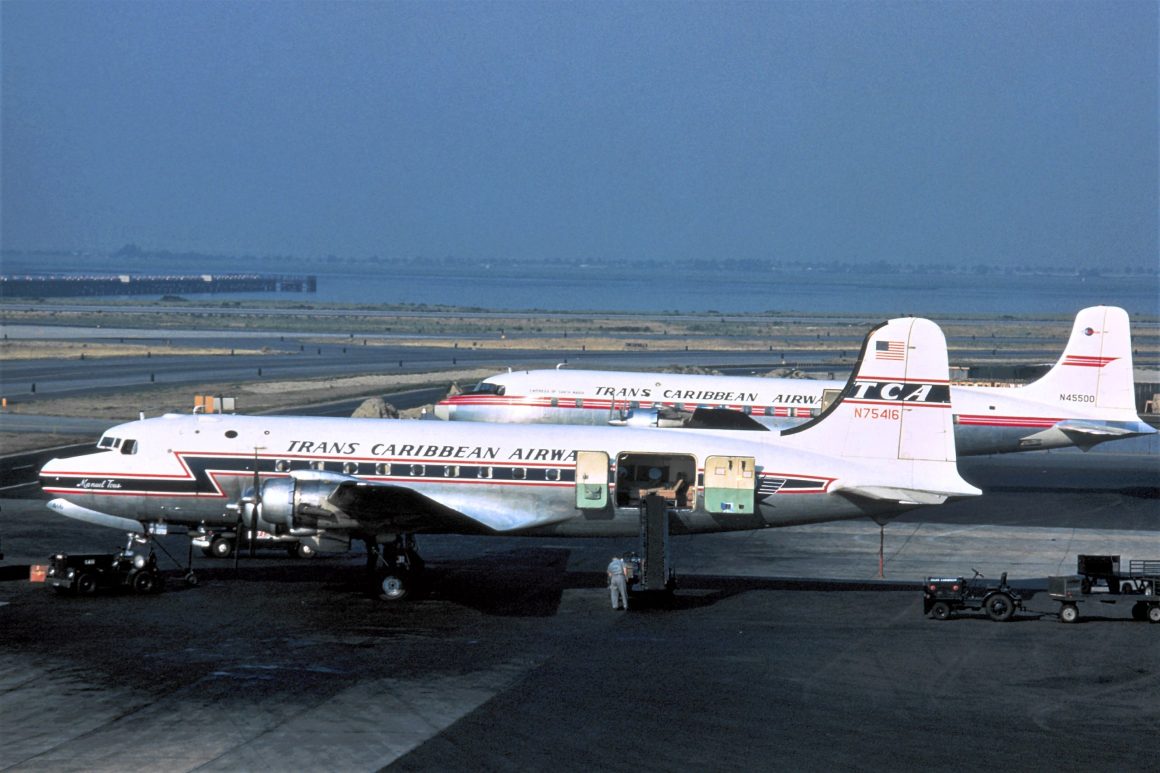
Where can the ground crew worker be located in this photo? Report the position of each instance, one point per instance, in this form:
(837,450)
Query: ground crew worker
(617,583)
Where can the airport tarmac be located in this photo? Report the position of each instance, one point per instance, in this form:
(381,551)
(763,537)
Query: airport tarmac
(781,650)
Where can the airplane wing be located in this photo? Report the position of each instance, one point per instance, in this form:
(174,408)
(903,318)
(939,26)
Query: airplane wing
(386,504)
(334,501)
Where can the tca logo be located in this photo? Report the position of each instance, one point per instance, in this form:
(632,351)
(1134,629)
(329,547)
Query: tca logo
(893,391)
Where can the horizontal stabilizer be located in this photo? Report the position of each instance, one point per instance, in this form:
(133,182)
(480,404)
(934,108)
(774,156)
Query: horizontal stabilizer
(1104,429)
(904,496)
(67,508)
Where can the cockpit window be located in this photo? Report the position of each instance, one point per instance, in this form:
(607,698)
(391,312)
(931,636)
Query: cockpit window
(129,447)
(105,442)
(487,388)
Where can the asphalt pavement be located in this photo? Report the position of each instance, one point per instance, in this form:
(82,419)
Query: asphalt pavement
(781,649)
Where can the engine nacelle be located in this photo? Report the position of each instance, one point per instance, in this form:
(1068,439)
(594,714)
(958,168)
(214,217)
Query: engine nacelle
(294,506)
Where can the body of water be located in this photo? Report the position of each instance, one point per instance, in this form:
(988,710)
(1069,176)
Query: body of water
(581,289)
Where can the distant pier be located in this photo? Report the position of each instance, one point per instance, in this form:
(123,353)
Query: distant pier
(73,285)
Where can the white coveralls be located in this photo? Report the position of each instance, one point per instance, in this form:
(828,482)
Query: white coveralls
(617,584)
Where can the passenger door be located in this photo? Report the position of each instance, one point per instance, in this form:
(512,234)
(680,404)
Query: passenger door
(591,480)
(730,484)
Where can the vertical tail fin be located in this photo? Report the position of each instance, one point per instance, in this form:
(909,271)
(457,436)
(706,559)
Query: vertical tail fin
(895,413)
(1095,369)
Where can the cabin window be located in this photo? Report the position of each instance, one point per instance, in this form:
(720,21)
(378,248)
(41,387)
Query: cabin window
(318,464)
(382,468)
(555,403)
(579,403)
(519,473)
(416,470)
(129,447)
(451,471)
(282,465)
(552,474)
(350,468)
(485,472)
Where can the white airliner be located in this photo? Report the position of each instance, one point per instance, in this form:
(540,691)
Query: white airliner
(885,445)
(1085,399)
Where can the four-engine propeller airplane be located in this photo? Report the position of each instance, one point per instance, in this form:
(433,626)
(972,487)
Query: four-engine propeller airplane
(884,445)
(1085,399)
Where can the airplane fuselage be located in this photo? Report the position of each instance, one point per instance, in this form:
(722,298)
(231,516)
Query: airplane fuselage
(509,479)
(987,420)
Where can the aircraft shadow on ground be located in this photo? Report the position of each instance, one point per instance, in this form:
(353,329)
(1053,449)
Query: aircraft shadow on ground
(530,582)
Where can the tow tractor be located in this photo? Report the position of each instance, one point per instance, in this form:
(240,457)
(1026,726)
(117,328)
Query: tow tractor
(1098,578)
(943,596)
(84,574)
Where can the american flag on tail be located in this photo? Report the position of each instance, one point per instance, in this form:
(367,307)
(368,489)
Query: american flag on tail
(889,350)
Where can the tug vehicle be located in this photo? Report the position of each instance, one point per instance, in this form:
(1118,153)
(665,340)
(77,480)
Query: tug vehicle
(944,596)
(85,573)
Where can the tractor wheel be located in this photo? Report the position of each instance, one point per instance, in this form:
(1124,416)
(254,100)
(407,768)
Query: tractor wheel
(144,582)
(940,611)
(1068,613)
(86,584)
(1000,607)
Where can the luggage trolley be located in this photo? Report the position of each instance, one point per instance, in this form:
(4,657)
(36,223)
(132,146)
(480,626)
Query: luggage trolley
(1098,578)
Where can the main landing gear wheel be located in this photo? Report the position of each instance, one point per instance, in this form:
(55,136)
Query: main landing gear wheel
(395,570)
(1000,607)
(940,611)
(394,586)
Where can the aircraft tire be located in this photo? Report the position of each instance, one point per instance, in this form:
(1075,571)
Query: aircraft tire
(394,586)
(940,611)
(86,584)
(221,547)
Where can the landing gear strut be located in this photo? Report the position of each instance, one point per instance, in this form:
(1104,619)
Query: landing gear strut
(395,571)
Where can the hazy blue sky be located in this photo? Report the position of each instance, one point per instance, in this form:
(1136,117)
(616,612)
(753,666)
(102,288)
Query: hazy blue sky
(1022,132)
